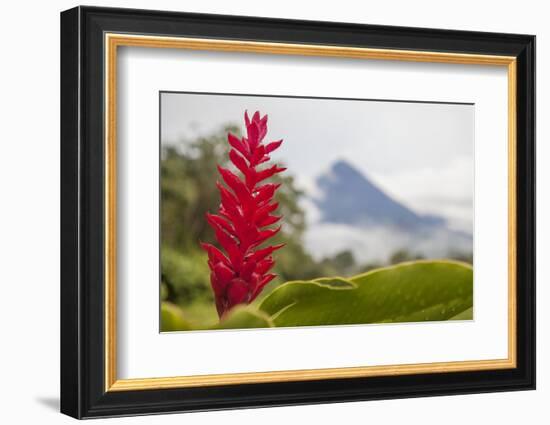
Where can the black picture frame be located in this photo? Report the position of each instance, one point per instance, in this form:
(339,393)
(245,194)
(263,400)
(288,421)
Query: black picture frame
(83,392)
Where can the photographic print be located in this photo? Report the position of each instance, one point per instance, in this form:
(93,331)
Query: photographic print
(300,211)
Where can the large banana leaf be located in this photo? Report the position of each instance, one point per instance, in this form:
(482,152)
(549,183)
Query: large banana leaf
(408,292)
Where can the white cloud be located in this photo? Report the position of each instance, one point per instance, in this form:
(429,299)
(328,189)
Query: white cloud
(445,190)
(379,243)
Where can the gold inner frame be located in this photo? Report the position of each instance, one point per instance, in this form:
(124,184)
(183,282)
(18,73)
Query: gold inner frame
(113,41)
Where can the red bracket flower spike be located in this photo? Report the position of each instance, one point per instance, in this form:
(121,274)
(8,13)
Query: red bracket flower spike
(239,275)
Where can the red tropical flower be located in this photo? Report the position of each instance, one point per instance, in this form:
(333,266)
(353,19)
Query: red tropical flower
(241,226)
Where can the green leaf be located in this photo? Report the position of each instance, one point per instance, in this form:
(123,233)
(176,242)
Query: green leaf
(335,283)
(467,314)
(242,317)
(171,318)
(407,292)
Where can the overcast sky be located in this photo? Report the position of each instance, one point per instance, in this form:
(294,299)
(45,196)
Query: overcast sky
(420,153)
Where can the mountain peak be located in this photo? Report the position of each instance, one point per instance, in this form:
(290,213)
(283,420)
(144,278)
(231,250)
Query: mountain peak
(350,197)
(342,171)
(344,168)
(342,164)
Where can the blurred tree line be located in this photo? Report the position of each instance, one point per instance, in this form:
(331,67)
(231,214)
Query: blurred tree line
(188,191)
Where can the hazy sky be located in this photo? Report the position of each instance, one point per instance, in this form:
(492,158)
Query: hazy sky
(420,153)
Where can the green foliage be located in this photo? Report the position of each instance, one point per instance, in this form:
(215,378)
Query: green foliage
(466,257)
(408,292)
(185,277)
(293,262)
(171,318)
(242,317)
(465,315)
(342,263)
(335,283)
(402,255)
(188,190)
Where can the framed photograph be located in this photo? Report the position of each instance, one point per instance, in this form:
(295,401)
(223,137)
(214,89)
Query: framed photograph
(261,212)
